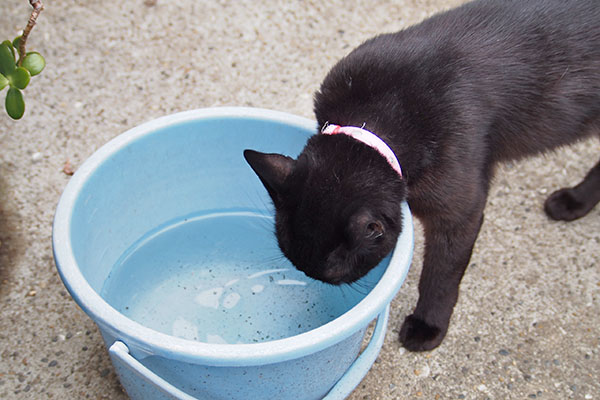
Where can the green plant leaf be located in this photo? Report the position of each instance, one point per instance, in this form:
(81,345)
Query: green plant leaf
(34,63)
(15,105)
(3,82)
(16,42)
(10,46)
(19,78)
(7,59)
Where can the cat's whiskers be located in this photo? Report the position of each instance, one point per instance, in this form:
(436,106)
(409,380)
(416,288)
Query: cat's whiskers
(356,288)
(279,259)
(361,287)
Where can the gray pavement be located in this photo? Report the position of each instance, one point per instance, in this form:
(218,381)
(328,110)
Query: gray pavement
(527,324)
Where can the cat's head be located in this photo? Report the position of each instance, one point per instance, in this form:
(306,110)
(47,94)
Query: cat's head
(337,206)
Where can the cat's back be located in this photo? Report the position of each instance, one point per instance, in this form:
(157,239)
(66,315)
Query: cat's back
(492,31)
(514,65)
(502,24)
(482,39)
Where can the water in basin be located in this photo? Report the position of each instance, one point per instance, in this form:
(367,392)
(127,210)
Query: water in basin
(218,277)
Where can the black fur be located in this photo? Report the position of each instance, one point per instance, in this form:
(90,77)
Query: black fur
(490,81)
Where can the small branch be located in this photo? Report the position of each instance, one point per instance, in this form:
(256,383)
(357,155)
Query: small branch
(37,9)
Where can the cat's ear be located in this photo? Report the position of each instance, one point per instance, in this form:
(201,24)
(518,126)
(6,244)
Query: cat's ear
(374,230)
(272,169)
(363,226)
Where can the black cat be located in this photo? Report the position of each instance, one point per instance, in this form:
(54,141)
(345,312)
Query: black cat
(492,80)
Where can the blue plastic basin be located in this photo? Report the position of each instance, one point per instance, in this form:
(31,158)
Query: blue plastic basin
(164,238)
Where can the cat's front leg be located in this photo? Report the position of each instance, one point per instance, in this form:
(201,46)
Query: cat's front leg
(448,247)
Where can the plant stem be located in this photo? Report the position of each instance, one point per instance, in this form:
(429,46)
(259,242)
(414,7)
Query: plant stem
(37,9)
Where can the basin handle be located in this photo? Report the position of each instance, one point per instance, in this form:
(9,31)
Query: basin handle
(119,352)
(359,368)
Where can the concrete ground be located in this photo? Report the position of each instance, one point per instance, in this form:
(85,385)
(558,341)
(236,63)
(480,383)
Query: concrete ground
(527,324)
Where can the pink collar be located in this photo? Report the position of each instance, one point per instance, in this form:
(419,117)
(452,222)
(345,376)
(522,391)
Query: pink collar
(367,138)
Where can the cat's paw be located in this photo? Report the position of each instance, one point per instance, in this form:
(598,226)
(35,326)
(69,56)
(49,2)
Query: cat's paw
(565,205)
(417,335)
